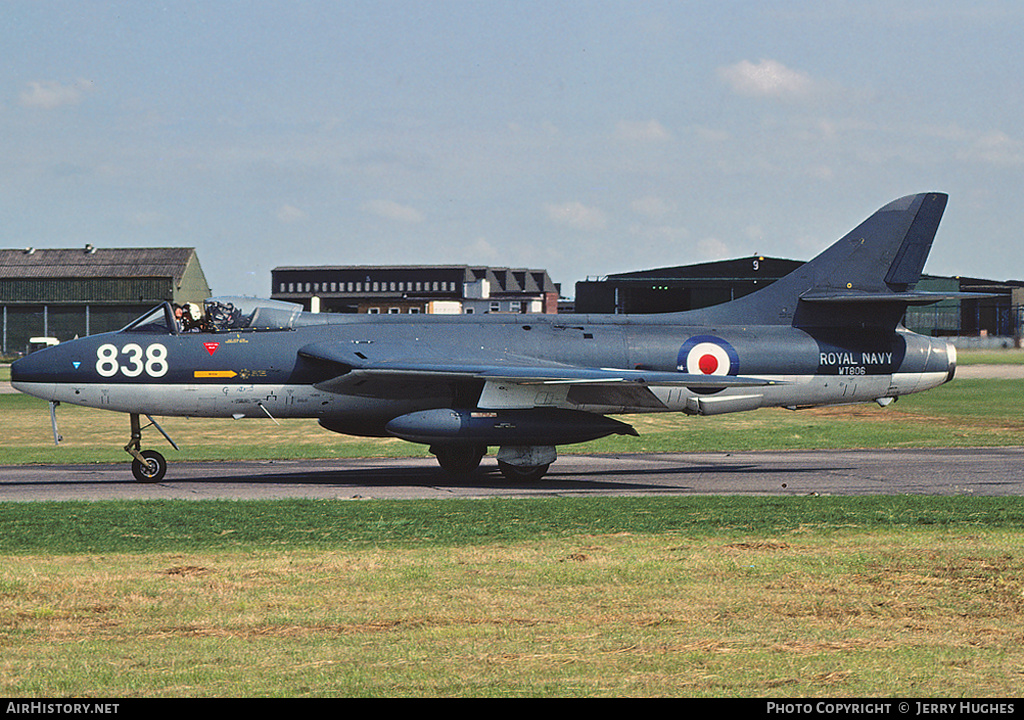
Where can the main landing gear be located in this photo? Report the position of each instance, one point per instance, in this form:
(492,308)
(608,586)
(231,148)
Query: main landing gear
(148,466)
(523,474)
(517,463)
(459,459)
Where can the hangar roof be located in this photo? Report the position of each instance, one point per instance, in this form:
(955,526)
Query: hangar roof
(744,267)
(91,262)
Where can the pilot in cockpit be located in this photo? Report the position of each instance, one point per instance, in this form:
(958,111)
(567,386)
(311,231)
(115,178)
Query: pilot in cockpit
(189,317)
(223,316)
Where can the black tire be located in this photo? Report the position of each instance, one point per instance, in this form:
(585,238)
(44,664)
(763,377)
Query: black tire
(523,473)
(153,470)
(459,460)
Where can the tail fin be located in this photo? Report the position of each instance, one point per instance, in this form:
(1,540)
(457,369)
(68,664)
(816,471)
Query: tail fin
(866,279)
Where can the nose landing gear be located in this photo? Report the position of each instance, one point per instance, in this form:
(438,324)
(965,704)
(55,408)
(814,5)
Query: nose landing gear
(148,466)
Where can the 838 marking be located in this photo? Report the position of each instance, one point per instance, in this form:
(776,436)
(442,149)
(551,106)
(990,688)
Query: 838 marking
(152,361)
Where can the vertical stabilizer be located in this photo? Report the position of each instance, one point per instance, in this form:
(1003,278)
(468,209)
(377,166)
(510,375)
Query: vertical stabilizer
(906,269)
(863,280)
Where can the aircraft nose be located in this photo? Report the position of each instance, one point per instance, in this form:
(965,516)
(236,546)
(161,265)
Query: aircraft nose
(21,369)
(37,374)
(35,367)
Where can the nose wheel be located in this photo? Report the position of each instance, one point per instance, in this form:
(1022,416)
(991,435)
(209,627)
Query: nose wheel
(148,466)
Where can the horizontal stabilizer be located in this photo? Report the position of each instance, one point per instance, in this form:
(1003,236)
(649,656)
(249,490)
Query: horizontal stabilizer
(908,298)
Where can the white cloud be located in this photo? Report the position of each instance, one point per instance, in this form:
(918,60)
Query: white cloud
(642,131)
(481,250)
(712,248)
(658,244)
(653,207)
(290,214)
(995,148)
(577,215)
(768,78)
(710,135)
(148,219)
(50,95)
(392,210)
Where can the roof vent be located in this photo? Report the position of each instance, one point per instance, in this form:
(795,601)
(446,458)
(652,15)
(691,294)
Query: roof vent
(89,249)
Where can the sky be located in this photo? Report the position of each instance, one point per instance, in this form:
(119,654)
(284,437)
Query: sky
(583,138)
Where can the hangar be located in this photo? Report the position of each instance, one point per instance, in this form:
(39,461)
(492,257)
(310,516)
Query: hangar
(65,293)
(689,287)
(683,287)
(398,289)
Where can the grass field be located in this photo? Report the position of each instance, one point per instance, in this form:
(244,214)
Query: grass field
(616,597)
(611,597)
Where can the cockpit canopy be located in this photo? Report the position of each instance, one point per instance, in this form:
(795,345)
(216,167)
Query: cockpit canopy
(219,314)
(237,313)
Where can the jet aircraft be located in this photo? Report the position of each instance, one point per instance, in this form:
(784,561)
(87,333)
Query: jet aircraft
(828,333)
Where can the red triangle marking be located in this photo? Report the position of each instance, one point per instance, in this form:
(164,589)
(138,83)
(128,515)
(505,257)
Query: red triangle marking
(211,347)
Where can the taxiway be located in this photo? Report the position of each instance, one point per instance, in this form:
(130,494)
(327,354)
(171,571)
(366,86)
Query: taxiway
(973,471)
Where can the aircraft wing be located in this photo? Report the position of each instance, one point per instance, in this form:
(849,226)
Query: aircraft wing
(418,377)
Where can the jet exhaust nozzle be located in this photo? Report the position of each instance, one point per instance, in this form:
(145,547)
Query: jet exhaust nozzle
(505,427)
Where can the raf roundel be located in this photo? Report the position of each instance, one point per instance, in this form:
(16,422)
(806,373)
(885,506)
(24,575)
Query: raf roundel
(708,355)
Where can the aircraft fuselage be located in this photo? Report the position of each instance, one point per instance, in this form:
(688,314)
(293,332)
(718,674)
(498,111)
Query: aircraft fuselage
(261,373)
